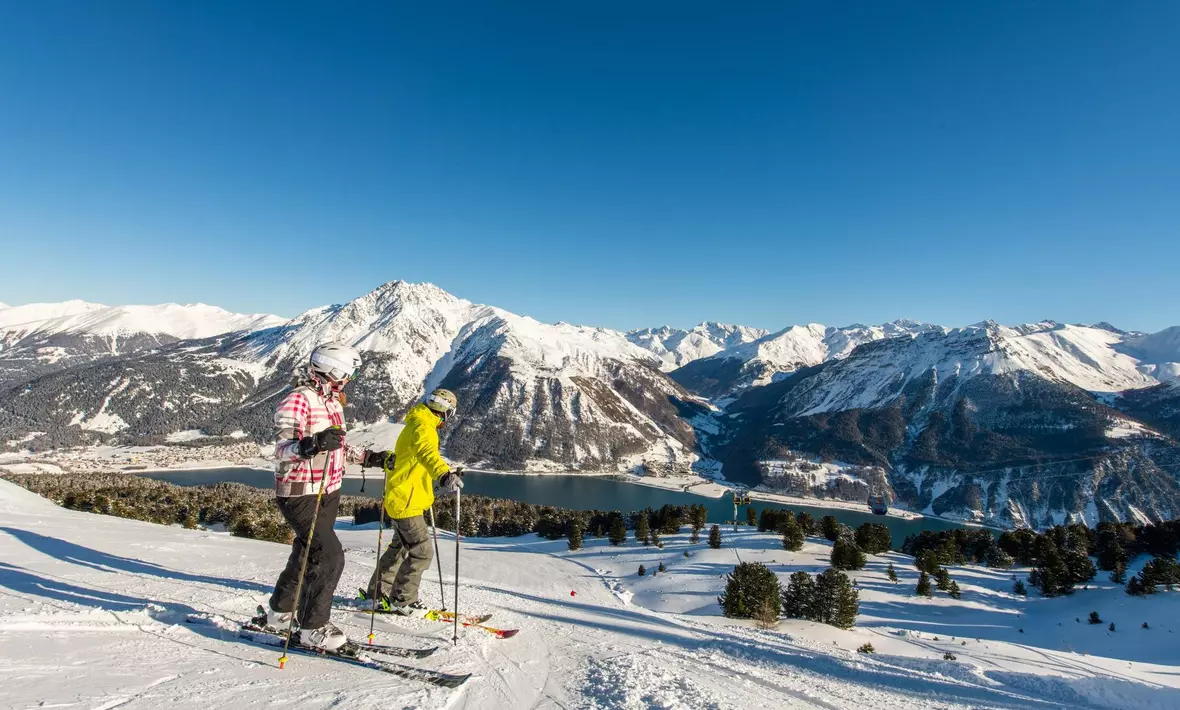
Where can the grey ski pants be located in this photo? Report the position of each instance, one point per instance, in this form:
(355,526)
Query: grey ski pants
(324,564)
(401,566)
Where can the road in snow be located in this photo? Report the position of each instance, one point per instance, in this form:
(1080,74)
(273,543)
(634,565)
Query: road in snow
(93,614)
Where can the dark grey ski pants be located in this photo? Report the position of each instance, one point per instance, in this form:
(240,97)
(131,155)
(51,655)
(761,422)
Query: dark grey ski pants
(399,572)
(324,564)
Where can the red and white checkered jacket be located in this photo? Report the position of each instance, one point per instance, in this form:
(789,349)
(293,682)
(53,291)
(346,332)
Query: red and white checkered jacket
(304,412)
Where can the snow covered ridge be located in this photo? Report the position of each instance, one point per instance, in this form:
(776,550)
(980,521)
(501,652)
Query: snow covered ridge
(195,320)
(1095,358)
(42,337)
(676,347)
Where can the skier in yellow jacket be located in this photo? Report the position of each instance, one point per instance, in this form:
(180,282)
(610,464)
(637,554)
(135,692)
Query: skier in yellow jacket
(409,492)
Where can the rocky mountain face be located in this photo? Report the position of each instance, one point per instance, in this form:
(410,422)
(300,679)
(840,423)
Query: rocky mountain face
(1006,425)
(532,395)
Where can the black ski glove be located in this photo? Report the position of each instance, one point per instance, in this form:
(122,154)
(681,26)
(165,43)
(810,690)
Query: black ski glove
(326,440)
(378,459)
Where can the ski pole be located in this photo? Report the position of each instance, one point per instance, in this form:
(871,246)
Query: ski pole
(442,590)
(377,570)
(455,634)
(303,565)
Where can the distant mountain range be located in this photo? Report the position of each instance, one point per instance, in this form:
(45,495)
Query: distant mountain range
(1014,425)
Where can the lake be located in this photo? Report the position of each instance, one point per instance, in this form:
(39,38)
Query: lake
(574,492)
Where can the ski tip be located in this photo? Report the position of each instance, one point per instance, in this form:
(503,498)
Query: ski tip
(507,634)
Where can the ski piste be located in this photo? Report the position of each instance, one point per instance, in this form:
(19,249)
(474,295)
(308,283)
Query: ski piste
(355,655)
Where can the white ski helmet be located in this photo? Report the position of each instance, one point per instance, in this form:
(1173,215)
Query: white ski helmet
(443,403)
(335,361)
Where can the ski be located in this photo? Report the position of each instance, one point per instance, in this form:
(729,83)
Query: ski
(257,625)
(498,633)
(359,658)
(430,614)
(350,648)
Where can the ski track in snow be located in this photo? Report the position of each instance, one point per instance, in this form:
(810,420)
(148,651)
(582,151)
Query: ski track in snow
(93,614)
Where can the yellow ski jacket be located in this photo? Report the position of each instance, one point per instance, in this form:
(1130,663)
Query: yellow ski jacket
(409,488)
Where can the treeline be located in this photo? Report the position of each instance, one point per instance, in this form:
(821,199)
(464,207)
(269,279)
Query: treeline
(495,517)
(243,510)
(1063,556)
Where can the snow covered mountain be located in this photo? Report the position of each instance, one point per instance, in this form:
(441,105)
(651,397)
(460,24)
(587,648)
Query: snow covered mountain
(677,347)
(38,337)
(1158,353)
(531,394)
(762,361)
(958,421)
(945,420)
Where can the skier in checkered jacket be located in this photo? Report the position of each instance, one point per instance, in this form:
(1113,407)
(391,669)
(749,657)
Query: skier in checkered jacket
(311,452)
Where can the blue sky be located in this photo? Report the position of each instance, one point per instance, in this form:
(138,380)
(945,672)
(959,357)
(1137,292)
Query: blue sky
(610,163)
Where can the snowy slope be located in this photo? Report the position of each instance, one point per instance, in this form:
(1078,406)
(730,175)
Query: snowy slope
(96,612)
(676,347)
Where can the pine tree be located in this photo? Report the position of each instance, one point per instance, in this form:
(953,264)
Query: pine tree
(643,530)
(830,527)
(663,568)
(873,538)
(1135,587)
(1112,626)
(748,589)
(942,579)
(642,570)
(892,573)
(799,597)
(715,537)
(792,533)
(618,531)
(1119,574)
(846,555)
(807,522)
(598,531)
(997,558)
(695,537)
(923,588)
(927,561)
(751,516)
(655,538)
(1019,589)
(836,602)
(699,515)
(1094,618)
(575,542)
(953,591)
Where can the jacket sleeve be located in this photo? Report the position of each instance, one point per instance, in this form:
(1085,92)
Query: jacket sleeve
(425,445)
(291,420)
